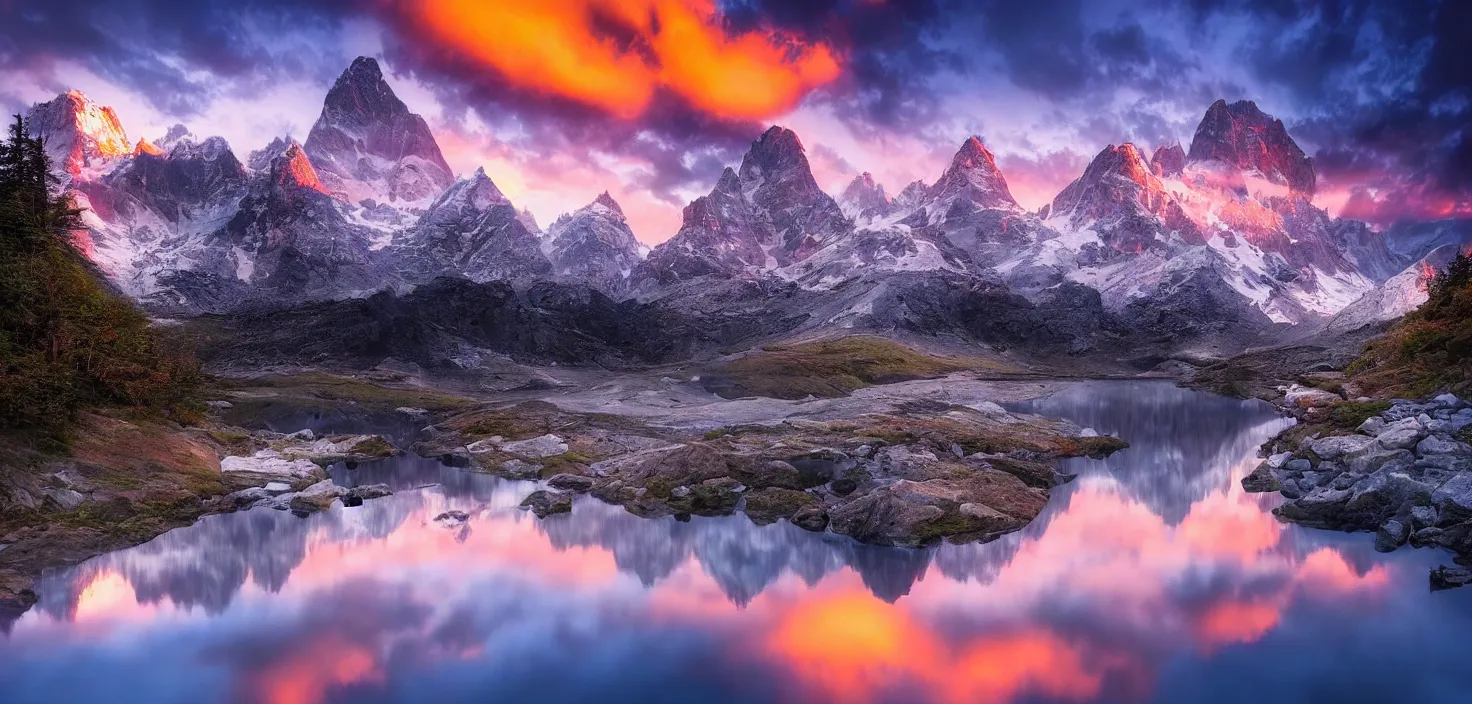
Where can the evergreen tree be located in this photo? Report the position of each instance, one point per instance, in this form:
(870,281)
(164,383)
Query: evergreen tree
(67,343)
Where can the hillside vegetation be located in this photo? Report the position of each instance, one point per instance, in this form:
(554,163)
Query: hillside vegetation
(1430,349)
(68,343)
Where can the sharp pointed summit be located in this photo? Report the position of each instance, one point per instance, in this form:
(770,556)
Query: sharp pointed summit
(1243,136)
(864,198)
(973,176)
(368,145)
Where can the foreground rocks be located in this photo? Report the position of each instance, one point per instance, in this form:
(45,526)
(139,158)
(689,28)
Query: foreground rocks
(911,475)
(1404,473)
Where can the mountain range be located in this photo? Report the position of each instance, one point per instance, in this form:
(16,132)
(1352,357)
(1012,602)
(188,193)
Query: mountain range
(1210,247)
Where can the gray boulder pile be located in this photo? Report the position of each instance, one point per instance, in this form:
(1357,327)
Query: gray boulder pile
(1405,473)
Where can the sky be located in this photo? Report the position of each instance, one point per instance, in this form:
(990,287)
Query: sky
(560,100)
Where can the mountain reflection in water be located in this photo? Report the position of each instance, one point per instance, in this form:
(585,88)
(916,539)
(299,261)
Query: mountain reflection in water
(1153,577)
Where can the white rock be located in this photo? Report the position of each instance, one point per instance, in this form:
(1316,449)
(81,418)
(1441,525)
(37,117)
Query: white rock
(277,488)
(269,462)
(303,434)
(487,445)
(1280,459)
(219,404)
(1304,397)
(1340,445)
(1089,433)
(538,447)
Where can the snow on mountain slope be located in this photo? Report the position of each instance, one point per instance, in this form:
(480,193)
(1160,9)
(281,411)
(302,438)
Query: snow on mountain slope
(593,244)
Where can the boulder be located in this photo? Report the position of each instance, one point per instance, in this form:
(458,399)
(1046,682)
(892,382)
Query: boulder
(1298,466)
(516,469)
(811,517)
(548,445)
(1374,425)
(1381,496)
(245,498)
(712,497)
(1436,445)
(1261,480)
(342,448)
(571,482)
(276,488)
(1401,436)
(317,497)
(1423,517)
(1340,445)
(1375,458)
(1446,577)
(1321,508)
(1453,499)
(769,505)
(544,503)
(1306,397)
(1392,534)
(1448,401)
(1278,460)
(271,462)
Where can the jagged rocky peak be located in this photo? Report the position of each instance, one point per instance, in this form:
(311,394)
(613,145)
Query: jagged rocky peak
(606,201)
(777,182)
(1243,136)
(145,147)
(973,175)
(176,134)
(473,229)
(864,198)
(1168,161)
(593,244)
(529,221)
(293,168)
(476,192)
(367,144)
(1117,175)
(1121,193)
(79,133)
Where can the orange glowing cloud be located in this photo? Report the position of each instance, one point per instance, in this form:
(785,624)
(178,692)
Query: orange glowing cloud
(615,55)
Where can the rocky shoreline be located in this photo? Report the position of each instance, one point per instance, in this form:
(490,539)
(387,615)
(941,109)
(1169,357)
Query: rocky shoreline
(82,505)
(1403,471)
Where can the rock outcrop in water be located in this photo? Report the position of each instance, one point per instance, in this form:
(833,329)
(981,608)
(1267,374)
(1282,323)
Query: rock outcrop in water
(904,474)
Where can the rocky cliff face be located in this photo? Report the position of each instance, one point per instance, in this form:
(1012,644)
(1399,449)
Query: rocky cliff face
(864,200)
(1248,139)
(971,181)
(593,244)
(80,134)
(472,229)
(367,145)
(1168,161)
(769,214)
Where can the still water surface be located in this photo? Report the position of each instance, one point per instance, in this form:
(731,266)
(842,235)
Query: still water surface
(1152,578)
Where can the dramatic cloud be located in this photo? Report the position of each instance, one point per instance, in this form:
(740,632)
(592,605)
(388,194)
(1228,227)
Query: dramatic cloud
(562,99)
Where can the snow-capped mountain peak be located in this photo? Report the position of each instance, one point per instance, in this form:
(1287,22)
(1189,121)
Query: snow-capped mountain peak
(973,176)
(81,136)
(593,244)
(368,145)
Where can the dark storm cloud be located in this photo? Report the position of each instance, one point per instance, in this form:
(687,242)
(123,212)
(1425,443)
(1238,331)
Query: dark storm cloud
(1382,88)
(177,54)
